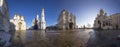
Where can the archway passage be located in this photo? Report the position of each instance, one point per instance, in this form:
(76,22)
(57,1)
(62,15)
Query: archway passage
(19,25)
(70,25)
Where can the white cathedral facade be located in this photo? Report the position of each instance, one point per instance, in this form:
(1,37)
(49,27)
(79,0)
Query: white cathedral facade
(38,23)
(103,21)
(66,20)
(18,22)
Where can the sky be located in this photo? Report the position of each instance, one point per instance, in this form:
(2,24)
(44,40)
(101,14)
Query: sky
(84,10)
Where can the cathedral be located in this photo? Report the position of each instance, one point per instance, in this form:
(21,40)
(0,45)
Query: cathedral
(39,24)
(4,16)
(18,22)
(66,20)
(102,21)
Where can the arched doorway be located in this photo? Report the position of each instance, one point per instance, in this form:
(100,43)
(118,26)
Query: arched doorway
(70,25)
(99,24)
(19,25)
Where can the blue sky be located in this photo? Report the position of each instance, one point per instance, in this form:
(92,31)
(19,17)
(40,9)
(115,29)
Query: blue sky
(84,10)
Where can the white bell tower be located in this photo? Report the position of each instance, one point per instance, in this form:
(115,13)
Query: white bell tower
(43,22)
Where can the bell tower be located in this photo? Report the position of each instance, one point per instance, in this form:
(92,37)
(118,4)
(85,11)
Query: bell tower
(43,22)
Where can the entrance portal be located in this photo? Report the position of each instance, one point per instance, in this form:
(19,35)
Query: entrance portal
(99,24)
(70,25)
(19,25)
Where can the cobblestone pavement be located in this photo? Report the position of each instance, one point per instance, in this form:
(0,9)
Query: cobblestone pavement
(104,38)
(50,38)
(66,38)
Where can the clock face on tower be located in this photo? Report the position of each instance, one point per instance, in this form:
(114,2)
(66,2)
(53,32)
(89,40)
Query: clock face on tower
(1,3)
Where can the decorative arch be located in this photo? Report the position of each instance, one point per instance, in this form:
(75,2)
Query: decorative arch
(19,25)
